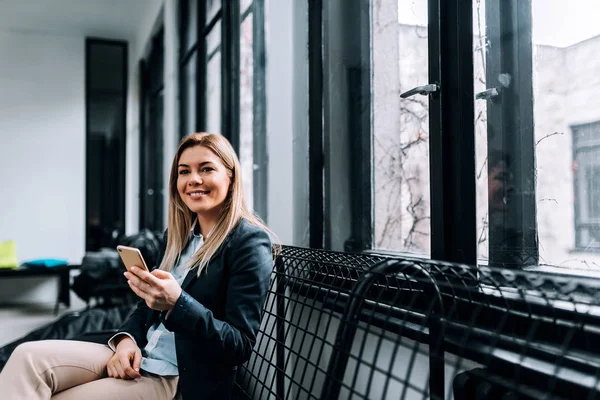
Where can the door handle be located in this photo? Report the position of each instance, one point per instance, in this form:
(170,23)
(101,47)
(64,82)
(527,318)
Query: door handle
(488,94)
(423,90)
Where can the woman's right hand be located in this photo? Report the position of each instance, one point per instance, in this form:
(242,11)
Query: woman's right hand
(125,363)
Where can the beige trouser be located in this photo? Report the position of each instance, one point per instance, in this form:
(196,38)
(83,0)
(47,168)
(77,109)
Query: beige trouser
(68,370)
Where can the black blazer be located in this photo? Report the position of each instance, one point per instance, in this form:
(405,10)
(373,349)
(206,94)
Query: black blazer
(217,317)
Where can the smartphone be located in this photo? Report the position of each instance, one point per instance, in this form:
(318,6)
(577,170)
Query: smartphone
(131,257)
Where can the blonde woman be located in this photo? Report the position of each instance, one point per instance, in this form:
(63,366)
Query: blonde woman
(199,312)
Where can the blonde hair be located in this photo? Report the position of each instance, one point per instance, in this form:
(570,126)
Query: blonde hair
(181,219)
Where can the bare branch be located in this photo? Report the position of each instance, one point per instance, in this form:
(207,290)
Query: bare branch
(412,143)
(421,103)
(412,113)
(547,136)
(482,48)
(482,239)
(482,167)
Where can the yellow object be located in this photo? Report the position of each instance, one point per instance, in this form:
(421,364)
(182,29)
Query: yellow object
(8,254)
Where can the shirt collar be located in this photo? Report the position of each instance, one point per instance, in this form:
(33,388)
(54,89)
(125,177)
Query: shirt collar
(195,231)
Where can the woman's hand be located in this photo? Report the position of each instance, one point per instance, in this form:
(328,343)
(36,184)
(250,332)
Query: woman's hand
(125,363)
(159,288)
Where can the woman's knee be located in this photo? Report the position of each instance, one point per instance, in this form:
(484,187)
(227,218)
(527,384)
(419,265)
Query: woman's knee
(23,349)
(22,353)
(29,349)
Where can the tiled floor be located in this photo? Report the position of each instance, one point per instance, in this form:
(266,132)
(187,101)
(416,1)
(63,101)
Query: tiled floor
(27,304)
(17,321)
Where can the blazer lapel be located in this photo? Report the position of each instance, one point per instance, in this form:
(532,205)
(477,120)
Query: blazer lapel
(191,275)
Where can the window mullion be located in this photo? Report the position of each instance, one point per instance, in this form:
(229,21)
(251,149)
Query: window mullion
(452,132)
(259,105)
(357,52)
(143,150)
(513,239)
(230,73)
(201,69)
(315,124)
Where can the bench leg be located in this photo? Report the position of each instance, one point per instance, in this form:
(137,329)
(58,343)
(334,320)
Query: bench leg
(64,291)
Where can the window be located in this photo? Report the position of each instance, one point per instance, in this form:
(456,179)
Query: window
(396,177)
(152,186)
(479,151)
(106,89)
(201,61)
(339,126)
(400,127)
(253,113)
(586,175)
(505,134)
(542,192)
(246,103)
(191,52)
(222,82)
(214,61)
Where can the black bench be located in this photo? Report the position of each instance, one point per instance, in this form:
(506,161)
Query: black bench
(368,326)
(62,273)
(340,325)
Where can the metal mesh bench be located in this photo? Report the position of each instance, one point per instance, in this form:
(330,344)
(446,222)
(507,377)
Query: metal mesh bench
(359,326)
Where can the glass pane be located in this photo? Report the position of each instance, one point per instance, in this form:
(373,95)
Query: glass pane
(191,18)
(212,8)
(190,96)
(541,135)
(244,4)
(152,169)
(567,131)
(106,136)
(246,108)
(485,189)
(213,39)
(213,94)
(505,134)
(400,126)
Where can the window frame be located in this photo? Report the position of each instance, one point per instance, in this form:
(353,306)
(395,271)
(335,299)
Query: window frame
(578,202)
(316,159)
(230,72)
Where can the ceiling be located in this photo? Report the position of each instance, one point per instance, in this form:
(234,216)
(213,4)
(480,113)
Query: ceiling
(114,19)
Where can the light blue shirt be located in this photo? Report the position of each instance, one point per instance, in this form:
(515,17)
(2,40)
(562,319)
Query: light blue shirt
(159,356)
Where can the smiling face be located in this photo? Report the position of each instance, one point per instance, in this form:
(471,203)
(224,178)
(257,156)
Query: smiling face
(202,181)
